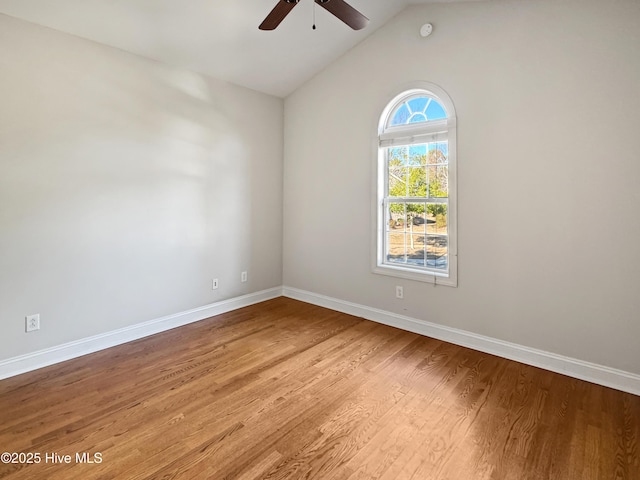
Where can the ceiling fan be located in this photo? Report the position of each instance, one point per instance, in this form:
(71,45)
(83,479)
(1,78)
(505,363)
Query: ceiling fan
(339,8)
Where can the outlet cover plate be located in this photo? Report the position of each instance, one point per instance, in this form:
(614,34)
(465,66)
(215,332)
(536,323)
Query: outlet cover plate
(32,322)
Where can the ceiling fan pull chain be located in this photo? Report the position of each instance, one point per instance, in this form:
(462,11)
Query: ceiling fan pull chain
(314,15)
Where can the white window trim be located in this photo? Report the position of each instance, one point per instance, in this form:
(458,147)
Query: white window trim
(407,135)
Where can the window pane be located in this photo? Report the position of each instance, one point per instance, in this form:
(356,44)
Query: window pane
(435,111)
(400,116)
(416,249)
(397,217)
(418,222)
(398,181)
(438,153)
(414,209)
(396,246)
(398,155)
(417,154)
(418,104)
(437,218)
(417,182)
(439,181)
(437,251)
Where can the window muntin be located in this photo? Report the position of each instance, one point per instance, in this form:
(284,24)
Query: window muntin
(417,109)
(415,218)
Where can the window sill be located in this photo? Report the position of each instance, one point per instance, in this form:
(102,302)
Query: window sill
(412,274)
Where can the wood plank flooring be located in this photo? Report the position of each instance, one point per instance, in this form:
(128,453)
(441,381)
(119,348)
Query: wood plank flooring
(287,390)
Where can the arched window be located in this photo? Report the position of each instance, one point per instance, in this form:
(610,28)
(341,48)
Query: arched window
(416,187)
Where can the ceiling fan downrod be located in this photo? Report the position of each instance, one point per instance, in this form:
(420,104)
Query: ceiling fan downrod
(338,8)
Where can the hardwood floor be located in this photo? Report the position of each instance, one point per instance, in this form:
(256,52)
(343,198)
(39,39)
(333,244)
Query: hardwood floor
(284,389)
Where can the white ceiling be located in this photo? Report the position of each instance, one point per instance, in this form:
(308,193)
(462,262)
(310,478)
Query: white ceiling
(215,37)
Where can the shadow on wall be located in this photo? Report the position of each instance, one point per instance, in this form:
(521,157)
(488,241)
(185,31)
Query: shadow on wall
(123,185)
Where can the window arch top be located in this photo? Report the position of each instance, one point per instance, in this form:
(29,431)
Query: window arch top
(416,109)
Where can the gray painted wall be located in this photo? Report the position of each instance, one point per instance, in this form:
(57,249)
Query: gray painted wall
(126,186)
(548,108)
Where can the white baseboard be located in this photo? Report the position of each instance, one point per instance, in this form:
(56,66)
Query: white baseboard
(49,356)
(591,372)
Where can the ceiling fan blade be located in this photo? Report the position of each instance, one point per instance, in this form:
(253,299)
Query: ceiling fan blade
(278,13)
(344,12)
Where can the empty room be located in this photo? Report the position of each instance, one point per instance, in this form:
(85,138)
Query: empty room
(320,239)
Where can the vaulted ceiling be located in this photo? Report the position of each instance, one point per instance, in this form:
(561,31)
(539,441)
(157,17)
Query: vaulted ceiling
(215,37)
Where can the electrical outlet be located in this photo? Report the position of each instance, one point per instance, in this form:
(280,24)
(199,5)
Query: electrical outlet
(399,292)
(32,322)
(214,284)
(243,277)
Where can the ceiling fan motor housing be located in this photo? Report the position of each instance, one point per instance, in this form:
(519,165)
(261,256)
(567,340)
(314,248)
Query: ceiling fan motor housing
(296,1)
